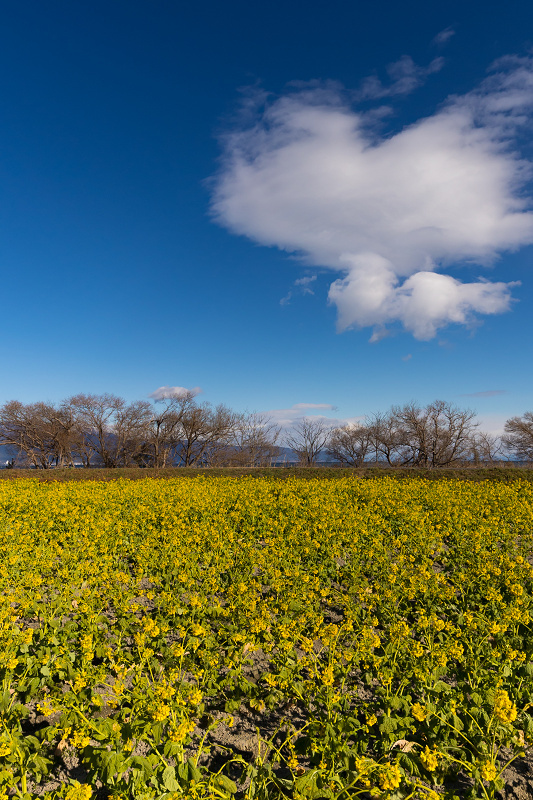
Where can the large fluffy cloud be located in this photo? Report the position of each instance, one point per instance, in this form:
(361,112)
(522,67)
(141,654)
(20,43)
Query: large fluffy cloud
(311,175)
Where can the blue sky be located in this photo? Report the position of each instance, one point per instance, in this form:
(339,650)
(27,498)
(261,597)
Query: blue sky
(240,198)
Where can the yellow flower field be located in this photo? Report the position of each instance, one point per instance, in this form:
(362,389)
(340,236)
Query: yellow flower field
(219,637)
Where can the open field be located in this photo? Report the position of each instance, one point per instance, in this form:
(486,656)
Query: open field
(212,637)
(506,472)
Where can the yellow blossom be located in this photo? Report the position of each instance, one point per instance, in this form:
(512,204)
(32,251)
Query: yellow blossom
(419,712)
(488,771)
(429,758)
(390,777)
(504,708)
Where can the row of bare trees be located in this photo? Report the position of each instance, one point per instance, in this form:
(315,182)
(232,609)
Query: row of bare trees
(437,435)
(105,430)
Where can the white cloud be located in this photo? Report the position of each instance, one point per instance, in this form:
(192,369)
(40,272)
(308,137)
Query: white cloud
(312,176)
(285,417)
(314,406)
(167,392)
(443,36)
(426,301)
(304,283)
(489,393)
(302,287)
(405,76)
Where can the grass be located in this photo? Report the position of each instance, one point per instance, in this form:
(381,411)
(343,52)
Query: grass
(504,473)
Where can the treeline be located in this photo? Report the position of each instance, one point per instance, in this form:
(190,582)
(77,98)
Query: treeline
(437,435)
(105,430)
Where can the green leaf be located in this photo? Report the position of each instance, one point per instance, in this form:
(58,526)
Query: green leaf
(456,722)
(310,785)
(5,701)
(169,780)
(32,740)
(194,772)
(172,748)
(141,764)
(225,783)
(410,764)
(109,765)
(388,725)
(157,730)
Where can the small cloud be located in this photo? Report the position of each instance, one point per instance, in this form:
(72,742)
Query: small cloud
(405,76)
(489,393)
(305,406)
(285,417)
(304,284)
(379,333)
(408,357)
(443,36)
(302,287)
(167,392)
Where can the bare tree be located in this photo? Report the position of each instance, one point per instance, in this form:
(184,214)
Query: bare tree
(484,448)
(84,446)
(450,433)
(252,444)
(257,437)
(414,433)
(58,424)
(95,417)
(438,435)
(39,431)
(307,439)
(435,436)
(165,427)
(350,444)
(205,431)
(131,427)
(18,429)
(518,436)
(387,439)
